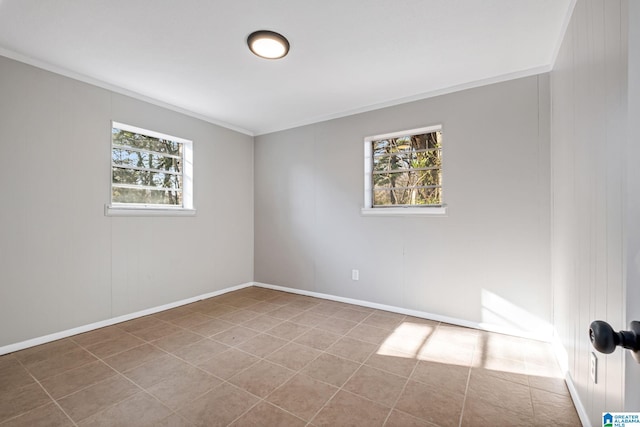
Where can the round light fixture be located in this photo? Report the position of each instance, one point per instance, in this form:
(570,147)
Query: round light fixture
(268,44)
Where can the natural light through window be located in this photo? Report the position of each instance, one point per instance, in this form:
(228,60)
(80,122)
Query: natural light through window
(150,171)
(403,172)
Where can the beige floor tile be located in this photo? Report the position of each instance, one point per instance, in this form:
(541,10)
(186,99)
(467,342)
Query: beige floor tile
(235,335)
(352,349)
(263,307)
(190,320)
(395,362)
(211,327)
(173,420)
(368,333)
(177,390)
(387,321)
(294,356)
(98,397)
(317,338)
(440,350)
(139,324)
(331,369)
(43,352)
(76,379)
(152,333)
(156,370)
(177,340)
(303,396)
(114,346)
(497,373)
(482,414)
(98,336)
(374,384)
(219,407)
(262,323)
(57,364)
(401,419)
(138,410)
(308,319)
(44,416)
(13,375)
(239,316)
(510,367)
(228,363)
(262,378)
(286,312)
(288,330)
(452,378)
(265,414)
(17,401)
(221,355)
(262,345)
(173,313)
(553,409)
(348,409)
(129,359)
(336,325)
(326,308)
(499,392)
(351,314)
(200,351)
(431,404)
(555,385)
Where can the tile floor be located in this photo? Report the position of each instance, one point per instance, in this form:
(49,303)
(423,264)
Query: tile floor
(258,357)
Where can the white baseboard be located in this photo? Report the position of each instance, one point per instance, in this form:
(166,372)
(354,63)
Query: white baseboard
(112,321)
(562,358)
(416,313)
(573,391)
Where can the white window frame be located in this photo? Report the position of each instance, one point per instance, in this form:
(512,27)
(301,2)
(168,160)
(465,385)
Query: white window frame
(368,209)
(135,209)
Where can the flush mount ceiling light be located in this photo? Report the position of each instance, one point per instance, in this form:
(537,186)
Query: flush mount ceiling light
(268,44)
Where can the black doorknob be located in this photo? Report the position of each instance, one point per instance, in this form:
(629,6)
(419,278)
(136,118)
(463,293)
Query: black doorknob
(605,339)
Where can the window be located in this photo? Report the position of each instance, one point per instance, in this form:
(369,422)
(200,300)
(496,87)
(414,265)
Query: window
(403,172)
(150,172)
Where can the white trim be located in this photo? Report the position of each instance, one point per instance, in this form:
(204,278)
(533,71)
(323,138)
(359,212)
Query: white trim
(132,209)
(415,313)
(411,211)
(113,210)
(112,321)
(561,356)
(580,409)
(119,90)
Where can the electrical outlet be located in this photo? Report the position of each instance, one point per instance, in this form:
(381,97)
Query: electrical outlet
(594,368)
(355,275)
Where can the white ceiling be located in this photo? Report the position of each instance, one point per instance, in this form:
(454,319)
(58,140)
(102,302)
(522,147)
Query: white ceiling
(346,56)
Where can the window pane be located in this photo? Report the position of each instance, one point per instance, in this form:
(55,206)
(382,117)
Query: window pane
(124,157)
(145,196)
(411,196)
(148,178)
(144,142)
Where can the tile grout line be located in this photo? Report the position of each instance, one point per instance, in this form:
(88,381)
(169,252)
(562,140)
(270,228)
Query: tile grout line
(55,402)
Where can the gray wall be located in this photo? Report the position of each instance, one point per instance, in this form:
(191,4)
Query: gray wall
(63,263)
(591,152)
(487,261)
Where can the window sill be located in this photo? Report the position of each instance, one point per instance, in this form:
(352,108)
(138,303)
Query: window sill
(426,211)
(135,211)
